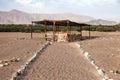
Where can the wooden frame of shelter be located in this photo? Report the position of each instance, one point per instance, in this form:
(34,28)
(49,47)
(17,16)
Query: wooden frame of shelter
(55,25)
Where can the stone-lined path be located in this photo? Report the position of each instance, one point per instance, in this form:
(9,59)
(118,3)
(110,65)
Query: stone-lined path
(62,61)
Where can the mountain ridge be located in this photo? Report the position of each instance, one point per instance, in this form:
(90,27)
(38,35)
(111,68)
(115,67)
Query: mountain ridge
(19,17)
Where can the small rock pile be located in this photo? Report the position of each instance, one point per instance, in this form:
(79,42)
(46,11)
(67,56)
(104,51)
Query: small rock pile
(100,71)
(7,62)
(18,74)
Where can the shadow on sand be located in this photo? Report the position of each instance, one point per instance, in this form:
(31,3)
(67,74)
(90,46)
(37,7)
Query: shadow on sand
(85,38)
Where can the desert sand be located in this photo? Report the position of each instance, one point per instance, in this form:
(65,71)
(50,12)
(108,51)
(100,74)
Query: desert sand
(105,49)
(17,45)
(60,61)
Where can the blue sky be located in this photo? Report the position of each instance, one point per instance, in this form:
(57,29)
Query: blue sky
(105,9)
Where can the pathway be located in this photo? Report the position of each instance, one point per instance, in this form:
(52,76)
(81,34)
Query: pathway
(62,61)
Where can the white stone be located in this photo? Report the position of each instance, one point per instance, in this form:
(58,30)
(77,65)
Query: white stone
(92,62)
(6,64)
(87,56)
(18,59)
(1,65)
(101,72)
(96,67)
(86,53)
(78,45)
(50,43)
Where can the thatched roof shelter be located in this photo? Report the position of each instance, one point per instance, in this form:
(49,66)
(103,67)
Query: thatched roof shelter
(58,23)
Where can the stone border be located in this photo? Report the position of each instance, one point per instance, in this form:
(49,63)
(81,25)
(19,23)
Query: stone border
(101,72)
(17,75)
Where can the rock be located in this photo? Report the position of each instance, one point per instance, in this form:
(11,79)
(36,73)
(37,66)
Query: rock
(118,72)
(111,71)
(101,72)
(93,62)
(12,60)
(6,64)
(18,59)
(1,61)
(78,45)
(13,78)
(15,60)
(6,61)
(1,65)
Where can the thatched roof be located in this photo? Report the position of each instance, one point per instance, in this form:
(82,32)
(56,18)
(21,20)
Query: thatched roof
(59,23)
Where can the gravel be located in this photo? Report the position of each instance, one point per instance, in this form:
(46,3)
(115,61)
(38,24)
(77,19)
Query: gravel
(61,61)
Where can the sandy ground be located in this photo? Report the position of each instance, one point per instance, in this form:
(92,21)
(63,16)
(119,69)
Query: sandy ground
(17,45)
(105,49)
(62,61)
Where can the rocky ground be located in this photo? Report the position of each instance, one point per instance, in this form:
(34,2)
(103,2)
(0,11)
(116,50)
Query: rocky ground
(60,61)
(105,49)
(16,46)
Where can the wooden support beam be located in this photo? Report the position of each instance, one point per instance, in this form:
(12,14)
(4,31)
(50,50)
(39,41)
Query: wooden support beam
(81,32)
(70,34)
(31,31)
(58,29)
(67,30)
(45,30)
(70,29)
(54,31)
(89,31)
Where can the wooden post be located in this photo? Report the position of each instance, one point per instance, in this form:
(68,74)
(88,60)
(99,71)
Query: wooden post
(31,31)
(81,32)
(89,31)
(70,34)
(54,31)
(58,29)
(67,30)
(45,30)
(70,29)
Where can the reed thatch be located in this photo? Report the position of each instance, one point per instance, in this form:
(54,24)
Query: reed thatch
(59,23)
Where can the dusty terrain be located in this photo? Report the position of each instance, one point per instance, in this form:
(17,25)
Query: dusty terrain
(105,49)
(17,45)
(62,61)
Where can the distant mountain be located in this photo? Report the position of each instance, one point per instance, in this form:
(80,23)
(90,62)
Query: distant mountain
(101,22)
(70,16)
(15,17)
(19,17)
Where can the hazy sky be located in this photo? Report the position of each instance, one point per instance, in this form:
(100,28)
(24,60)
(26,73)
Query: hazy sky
(105,9)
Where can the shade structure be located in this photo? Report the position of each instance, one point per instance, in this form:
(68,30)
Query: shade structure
(55,23)
(60,23)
